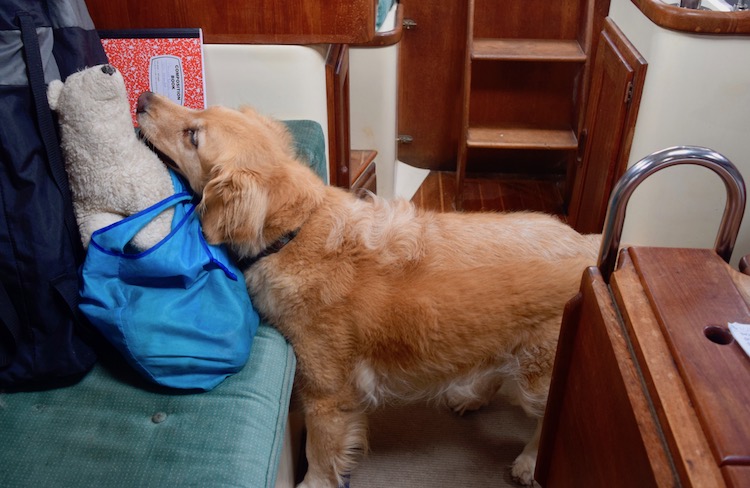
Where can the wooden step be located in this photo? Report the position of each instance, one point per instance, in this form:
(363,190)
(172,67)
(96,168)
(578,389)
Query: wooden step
(362,169)
(553,50)
(514,138)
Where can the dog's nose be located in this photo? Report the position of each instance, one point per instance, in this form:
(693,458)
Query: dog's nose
(108,69)
(143,100)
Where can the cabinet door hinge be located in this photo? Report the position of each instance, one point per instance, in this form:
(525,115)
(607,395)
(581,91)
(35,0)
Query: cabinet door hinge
(629,92)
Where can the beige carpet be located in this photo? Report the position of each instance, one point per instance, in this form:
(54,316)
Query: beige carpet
(424,446)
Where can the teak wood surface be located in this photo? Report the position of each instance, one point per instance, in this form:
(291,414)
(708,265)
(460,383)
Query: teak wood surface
(689,290)
(636,373)
(691,453)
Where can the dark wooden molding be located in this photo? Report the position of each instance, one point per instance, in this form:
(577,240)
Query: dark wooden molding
(337,88)
(391,37)
(694,21)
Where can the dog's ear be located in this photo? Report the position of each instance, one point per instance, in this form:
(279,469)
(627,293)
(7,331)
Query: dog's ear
(234,208)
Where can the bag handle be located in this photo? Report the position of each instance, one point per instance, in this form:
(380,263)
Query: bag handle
(113,238)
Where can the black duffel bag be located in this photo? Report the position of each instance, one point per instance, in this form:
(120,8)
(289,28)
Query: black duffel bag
(42,333)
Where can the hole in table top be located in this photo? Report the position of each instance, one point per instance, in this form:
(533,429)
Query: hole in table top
(718,334)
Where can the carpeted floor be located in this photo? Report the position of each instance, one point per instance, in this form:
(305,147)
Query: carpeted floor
(420,445)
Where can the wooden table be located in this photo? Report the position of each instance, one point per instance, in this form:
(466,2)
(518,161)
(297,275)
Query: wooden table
(649,389)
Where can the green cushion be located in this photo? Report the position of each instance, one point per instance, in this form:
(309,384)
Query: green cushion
(105,432)
(310,144)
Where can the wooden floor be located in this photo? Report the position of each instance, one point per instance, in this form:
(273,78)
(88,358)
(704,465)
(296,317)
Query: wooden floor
(491,194)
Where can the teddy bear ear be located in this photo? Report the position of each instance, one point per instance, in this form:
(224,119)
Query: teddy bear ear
(53,93)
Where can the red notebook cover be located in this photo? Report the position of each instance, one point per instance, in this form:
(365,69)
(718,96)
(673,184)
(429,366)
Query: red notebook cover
(164,61)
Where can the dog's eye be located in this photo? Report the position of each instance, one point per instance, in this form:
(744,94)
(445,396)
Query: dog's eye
(193,135)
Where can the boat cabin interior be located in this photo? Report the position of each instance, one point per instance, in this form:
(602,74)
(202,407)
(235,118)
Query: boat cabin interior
(531,105)
(521,105)
(480,105)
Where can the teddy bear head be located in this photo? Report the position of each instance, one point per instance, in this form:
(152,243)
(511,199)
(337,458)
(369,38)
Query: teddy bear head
(98,93)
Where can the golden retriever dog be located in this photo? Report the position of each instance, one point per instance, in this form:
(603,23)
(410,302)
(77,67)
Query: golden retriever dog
(381,301)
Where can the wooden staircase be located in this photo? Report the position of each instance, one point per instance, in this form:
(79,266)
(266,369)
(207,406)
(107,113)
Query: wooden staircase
(523,86)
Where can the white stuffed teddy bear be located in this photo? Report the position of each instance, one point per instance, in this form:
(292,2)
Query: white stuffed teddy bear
(112,174)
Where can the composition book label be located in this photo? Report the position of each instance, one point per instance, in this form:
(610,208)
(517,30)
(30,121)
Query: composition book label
(166,77)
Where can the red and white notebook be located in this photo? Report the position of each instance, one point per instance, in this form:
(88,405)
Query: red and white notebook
(164,61)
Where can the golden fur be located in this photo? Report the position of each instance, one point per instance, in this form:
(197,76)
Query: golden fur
(380,300)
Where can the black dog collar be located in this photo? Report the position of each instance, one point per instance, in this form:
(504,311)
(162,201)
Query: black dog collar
(274,247)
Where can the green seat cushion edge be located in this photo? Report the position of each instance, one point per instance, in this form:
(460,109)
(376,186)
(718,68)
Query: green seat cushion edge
(310,144)
(106,432)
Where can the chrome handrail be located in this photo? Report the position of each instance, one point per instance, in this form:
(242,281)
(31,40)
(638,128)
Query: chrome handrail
(730,221)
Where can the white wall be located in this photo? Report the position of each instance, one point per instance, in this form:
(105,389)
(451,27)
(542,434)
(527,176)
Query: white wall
(285,82)
(697,92)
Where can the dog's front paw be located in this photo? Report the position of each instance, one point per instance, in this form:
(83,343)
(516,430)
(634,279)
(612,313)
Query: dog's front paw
(522,470)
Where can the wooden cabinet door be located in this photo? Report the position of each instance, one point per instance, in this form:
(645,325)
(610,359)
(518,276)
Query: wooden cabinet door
(616,86)
(430,75)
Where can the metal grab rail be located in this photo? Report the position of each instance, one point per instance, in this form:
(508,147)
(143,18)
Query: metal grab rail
(730,221)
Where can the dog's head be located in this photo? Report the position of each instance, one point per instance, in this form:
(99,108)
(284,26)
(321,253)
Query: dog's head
(242,164)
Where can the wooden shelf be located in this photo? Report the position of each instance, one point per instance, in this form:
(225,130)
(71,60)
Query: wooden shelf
(516,138)
(553,50)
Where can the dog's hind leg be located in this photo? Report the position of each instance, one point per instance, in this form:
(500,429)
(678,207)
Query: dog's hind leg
(336,436)
(529,390)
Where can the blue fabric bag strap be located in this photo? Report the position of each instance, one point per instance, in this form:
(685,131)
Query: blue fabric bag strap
(114,238)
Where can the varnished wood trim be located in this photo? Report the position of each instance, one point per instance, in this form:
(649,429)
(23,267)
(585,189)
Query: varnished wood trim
(359,162)
(694,21)
(367,180)
(337,94)
(462,152)
(390,37)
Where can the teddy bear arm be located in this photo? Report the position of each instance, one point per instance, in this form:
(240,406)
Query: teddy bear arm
(88,224)
(154,231)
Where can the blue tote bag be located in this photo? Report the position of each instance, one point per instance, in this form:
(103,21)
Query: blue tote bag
(178,312)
